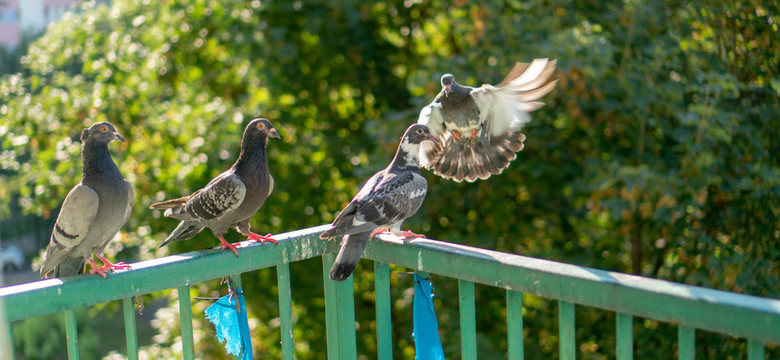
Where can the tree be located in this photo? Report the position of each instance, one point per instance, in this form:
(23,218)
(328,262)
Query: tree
(655,155)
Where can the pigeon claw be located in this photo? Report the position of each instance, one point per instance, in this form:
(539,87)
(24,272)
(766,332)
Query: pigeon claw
(96,270)
(408,234)
(456,135)
(260,238)
(474,134)
(378,231)
(226,245)
(109,266)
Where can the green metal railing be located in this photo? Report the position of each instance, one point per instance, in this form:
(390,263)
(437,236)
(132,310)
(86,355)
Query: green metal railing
(691,308)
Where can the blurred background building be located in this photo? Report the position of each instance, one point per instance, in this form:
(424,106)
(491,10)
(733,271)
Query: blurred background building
(18,17)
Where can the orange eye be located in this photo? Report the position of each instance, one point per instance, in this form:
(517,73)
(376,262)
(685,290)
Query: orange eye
(103,128)
(261,126)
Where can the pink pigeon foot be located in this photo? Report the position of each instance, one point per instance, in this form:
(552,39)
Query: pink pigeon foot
(408,234)
(474,134)
(95,269)
(456,135)
(378,231)
(226,245)
(261,238)
(109,266)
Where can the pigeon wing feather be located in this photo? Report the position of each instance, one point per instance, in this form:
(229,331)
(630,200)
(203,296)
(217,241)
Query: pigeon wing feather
(72,225)
(430,151)
(395,200)
(130,202)
(505,107)
(221,196)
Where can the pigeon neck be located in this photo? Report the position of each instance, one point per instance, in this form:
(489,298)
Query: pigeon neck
(252,156)
(406,156)
(457,94)
(97,159)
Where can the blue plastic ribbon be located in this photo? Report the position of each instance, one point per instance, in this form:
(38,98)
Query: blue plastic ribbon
(427,344)
(232,324)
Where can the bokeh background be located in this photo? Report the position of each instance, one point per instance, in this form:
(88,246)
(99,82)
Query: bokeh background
(657,154)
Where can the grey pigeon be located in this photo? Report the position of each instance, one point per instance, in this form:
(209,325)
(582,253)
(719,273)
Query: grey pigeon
(388,198)
(233,197)
(93,211)
(479,128)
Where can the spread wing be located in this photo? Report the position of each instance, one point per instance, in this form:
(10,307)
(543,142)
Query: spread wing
(73,223)
(431,116)
(505,107)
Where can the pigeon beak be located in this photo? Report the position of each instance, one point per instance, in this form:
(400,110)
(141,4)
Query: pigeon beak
(447,90)
(274,134)
(119,137)
(432,138)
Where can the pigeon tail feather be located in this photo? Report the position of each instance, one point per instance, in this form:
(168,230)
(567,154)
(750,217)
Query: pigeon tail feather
(185,231)
(478,161)
(351,250)
(170,204)
(68,267)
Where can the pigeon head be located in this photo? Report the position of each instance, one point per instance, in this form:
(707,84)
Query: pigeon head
(447,81)
(418,133)
(100,133)
(261,129)
(406,155)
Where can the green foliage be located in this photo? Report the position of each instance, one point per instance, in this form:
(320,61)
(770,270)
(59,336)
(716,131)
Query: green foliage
(657,152)
(44,337)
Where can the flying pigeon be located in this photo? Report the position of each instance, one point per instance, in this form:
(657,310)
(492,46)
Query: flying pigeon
(231,198)
(479,128)
(388,198)
(92,212)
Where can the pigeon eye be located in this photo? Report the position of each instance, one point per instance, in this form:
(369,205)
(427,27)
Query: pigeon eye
(419,131)
(261,126)
(103,128)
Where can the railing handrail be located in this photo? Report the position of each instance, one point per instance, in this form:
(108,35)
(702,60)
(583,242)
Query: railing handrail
(702,308)
(54,295)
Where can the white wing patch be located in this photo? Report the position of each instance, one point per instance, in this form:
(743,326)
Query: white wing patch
(431,116)
(506,106)
(417,193)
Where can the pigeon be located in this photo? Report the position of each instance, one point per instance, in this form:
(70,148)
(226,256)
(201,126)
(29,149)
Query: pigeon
(387,199)
(231,198)
(92,212)
(479,128)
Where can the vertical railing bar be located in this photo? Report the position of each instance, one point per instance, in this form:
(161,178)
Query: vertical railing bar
(285,310)
(131,335)
(346,304)
(71,334)
(755,350)
(339,314)
(8,350)
(624,332)
(468,325)
(332,320)
(384,331)
(514,324)
(686,343)
(185,317)
(566,338)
